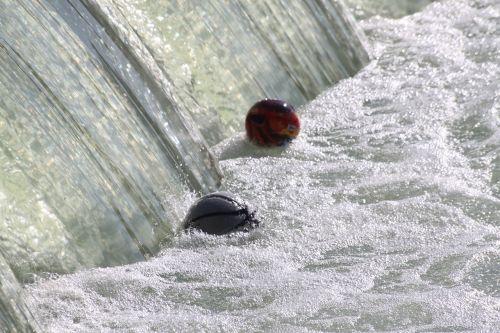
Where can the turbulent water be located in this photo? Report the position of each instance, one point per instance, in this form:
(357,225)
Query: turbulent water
(91,139)
(98,149)
(384,215)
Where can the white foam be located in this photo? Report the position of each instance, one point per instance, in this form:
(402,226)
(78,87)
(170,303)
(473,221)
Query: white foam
(382,216)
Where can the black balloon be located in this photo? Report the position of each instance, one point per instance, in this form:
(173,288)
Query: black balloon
(220,213)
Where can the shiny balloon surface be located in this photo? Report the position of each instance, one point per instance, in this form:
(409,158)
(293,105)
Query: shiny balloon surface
(272,122)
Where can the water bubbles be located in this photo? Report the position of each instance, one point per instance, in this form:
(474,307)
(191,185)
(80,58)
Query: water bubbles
(382,215)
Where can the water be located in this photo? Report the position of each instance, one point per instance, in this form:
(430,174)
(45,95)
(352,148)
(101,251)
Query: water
(226,55)
(99,154)
(81,155)
(363,9)
(91,138)
(383,215)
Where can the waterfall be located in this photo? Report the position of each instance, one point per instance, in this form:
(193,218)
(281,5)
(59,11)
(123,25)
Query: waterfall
(228,54)
(96,117)
(89,142)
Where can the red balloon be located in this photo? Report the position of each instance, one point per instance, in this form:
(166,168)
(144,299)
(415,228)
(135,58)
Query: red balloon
(272,122)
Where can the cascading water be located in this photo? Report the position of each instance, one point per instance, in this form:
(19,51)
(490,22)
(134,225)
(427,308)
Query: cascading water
(228,54)
(98,152)
(88,144)
(382,216)
(90,139)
